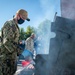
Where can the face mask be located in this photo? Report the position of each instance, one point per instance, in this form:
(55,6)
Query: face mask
(20,21)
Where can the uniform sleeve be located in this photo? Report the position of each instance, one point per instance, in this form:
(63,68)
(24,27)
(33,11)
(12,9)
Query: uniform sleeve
(8,37)
(9,33)
(27,43)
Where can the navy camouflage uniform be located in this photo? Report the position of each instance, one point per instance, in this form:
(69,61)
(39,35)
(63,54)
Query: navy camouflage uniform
(8,50)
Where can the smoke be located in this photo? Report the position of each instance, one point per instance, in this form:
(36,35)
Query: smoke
(44,36)
(68,6)
(48,9)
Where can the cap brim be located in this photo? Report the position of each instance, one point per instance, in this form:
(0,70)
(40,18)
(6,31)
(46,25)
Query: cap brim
(28,19)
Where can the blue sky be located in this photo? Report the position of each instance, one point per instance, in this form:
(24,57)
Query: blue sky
(38,10)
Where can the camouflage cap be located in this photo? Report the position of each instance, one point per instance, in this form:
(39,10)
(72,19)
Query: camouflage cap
(24,14)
